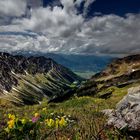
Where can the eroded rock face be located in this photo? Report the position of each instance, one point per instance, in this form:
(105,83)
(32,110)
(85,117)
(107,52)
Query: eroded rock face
(127,113)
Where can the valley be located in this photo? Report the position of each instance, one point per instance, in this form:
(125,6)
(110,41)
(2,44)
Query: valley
(85,74)
(83,102)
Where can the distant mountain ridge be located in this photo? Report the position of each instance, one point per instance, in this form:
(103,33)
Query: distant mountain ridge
(120,73)
(26,80)
(76,62)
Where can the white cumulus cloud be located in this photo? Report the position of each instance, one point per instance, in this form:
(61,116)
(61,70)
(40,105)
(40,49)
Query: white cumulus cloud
(61,29)
(12,7)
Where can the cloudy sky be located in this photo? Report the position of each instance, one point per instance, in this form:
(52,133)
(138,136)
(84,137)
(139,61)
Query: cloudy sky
(70,26)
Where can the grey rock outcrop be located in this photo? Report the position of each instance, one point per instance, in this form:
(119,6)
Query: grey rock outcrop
(127,113)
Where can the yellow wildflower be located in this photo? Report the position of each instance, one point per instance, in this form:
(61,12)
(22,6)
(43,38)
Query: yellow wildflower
(62,122)
(36,115)
(11,124)
(44,109)
(11,121)
(23,121)
(50,122)
(11,117)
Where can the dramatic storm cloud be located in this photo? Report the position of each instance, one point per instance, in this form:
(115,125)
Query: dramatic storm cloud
(62,29)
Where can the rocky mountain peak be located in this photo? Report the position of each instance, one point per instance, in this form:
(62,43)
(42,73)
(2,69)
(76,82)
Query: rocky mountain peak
(22,76)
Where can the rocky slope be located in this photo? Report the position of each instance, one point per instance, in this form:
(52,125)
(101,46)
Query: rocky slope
(120,67)
(121,72)
(26,80)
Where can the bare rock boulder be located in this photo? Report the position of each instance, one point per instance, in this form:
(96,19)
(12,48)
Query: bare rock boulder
(127,112)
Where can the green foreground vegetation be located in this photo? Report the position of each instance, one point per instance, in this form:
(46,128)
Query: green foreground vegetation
(78,118)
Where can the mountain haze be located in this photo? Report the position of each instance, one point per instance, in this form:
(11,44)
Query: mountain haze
(75,62)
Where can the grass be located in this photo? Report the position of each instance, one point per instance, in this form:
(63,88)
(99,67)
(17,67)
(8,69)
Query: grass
(90,122)
(86,74)
(32,88)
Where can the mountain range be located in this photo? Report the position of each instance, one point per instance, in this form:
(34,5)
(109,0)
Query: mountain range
(26,80)
(75,62)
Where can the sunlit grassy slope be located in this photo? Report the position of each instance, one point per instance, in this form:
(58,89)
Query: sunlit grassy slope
(33,88)
(90,122)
